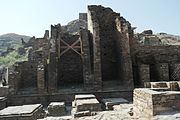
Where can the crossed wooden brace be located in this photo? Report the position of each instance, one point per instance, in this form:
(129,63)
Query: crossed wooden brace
(70,47)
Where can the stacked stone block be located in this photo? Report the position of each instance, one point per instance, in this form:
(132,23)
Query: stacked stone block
(149,102)
(85,104)
(56,109)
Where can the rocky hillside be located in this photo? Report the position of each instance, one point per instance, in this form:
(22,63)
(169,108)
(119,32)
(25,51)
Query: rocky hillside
(74,26)
(10,45)
(145,38)
(11,41)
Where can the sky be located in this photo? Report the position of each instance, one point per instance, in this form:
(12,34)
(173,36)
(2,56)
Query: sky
(33,17)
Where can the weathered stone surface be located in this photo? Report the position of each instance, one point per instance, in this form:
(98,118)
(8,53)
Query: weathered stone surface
(57,109)
(3,103)
(41,78)
(84,96)
(152,102)
(82,114)
(25,112)
(88,104)
(102,60)
(110,102)
(4,90)
(174,86)
(166,86)
(144,73)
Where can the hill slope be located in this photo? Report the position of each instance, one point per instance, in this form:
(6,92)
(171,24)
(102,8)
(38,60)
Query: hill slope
(11,41)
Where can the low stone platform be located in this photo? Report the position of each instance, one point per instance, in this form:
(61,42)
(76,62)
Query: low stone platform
(45,99)
(82,114)
(24,112)
(2,102)
(56,109)
(108,103)
(150,102)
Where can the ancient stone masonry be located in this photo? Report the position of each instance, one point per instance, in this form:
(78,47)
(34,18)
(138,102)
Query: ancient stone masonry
(162,62)
(160,97)
(104,59)
(87,65)
(111,49)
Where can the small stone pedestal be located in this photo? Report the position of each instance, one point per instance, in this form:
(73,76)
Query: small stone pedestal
(83,105)
(56,109)
(88,104)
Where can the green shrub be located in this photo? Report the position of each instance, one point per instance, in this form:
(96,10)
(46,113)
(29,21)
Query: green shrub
(11,58)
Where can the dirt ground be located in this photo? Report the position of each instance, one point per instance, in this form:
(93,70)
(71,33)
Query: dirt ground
(120,112)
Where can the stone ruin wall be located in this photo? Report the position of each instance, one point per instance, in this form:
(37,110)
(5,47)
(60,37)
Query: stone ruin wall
(111,37)
(156,63)
(108,52)
(24,75)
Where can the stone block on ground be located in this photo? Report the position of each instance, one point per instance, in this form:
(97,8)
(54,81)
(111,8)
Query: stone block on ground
(82,114)
(88,104)
(24,112)
(159,85)
(2,102)
(57,109)
(122,107)
(110,102)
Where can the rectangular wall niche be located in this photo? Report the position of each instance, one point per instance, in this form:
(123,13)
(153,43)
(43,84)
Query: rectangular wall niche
(70,66)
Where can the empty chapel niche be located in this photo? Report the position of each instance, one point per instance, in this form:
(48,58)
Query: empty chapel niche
(153,73)
(28,81)
(109,54)
(70,65)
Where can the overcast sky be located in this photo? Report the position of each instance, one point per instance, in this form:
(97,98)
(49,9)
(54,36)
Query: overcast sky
(33,17)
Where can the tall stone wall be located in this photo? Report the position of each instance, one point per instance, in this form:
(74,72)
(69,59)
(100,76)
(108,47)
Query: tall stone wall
(93,27)
(87,57)
(125,35)
(105,19)
(110,32)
